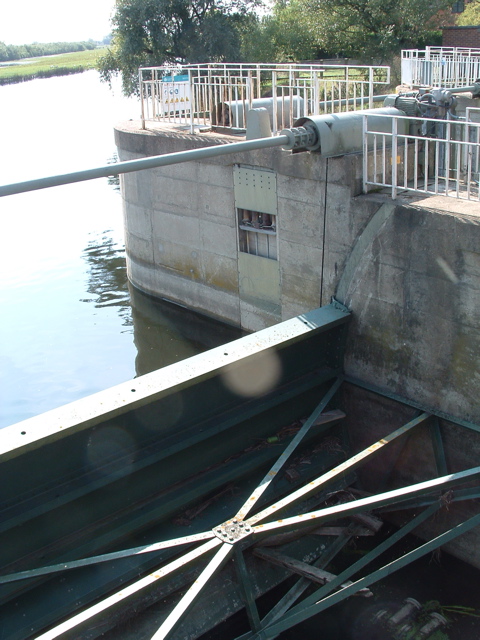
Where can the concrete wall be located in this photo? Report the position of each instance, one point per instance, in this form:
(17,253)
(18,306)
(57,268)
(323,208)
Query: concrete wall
(409,270)
(181,227)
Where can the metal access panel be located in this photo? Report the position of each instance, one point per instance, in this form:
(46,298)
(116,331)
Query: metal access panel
(255,189)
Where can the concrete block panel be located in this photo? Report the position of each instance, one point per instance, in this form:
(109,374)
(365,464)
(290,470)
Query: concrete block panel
(300,222)
(300,260)
(176,229)
(216,175)
(300,293)
(215,203)
(139,249)
(187,171)
(197,296)
(175,196)
(180,259)
(142,276)
(219,238)
(303,191)
(139,222)
(305,165)
(220,272)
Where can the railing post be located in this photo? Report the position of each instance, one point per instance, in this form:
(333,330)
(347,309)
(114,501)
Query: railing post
(142,106)
(394,157)
(370,88)
(274,102)
(193,100)
(365,153)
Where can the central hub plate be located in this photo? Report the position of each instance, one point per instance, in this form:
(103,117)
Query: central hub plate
(232,531)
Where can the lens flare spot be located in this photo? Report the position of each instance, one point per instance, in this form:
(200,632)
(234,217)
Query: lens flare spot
(254,376)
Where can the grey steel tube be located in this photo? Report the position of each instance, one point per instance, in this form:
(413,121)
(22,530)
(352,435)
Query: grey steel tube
(145,163)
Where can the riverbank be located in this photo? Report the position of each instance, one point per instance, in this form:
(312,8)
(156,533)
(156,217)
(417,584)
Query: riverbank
(50,66)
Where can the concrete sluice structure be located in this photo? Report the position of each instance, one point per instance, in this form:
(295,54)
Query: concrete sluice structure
(162,506)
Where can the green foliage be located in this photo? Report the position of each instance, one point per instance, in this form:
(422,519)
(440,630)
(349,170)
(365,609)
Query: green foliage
(156,32)
(10,52)
(471,15)
(370,30)
(48,66)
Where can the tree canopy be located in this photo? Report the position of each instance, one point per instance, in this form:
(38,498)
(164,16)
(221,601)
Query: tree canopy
(37,49)
(374,30)
(156,32)
(471,15)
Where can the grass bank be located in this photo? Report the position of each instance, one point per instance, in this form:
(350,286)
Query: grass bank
(48,66)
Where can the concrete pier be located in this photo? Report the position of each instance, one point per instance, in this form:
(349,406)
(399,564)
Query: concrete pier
(409,270)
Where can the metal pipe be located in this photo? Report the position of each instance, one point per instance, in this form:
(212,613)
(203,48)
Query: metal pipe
(145,163)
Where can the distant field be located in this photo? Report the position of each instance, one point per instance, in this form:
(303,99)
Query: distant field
(47,66)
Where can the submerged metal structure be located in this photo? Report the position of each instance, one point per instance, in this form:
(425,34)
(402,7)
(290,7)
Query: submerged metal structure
(198,488)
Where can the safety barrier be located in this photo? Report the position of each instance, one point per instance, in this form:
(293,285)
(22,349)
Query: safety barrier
(221,94)
(444,67)
(435,157)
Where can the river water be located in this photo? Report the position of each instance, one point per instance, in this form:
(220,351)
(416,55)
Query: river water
(70,325)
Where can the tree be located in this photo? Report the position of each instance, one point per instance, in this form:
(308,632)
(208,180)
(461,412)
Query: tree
(471,15)
(283,35)
(156,32)
(373,30)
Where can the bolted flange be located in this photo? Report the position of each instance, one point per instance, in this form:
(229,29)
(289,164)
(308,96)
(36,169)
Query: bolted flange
(232,531)
(300,137)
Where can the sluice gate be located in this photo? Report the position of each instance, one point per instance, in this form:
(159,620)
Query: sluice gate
(199,487)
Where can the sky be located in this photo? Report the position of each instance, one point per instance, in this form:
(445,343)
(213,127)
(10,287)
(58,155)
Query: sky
(27,21)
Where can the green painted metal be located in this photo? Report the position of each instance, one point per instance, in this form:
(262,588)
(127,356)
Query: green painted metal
(247,590)
(182,435)
(100,540)
(438,448)
(349,465)
(295,617)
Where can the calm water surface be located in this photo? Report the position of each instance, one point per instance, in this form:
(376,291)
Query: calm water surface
(69,324)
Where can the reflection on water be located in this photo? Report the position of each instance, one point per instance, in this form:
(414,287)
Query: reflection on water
(165,333)
(67,326)
(107,275)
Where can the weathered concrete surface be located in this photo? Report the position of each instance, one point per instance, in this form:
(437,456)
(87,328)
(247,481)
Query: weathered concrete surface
(181,227)
(409,270)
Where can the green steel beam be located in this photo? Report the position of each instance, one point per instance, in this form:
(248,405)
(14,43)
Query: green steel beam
(245,583)
(180,609)
(438,448)
(300,614)
(285,455)
(129,590)
(349,465)
(366,504)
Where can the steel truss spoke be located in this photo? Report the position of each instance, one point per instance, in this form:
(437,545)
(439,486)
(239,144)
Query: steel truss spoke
(372,502)
(103,605)
(283,605)
(116,555)
(247,591)
(188,599)
(299,614)
(348,465)
(268,479)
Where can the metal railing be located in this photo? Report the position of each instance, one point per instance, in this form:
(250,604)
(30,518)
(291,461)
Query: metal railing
(443,67)
(428,156)
(221,94)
